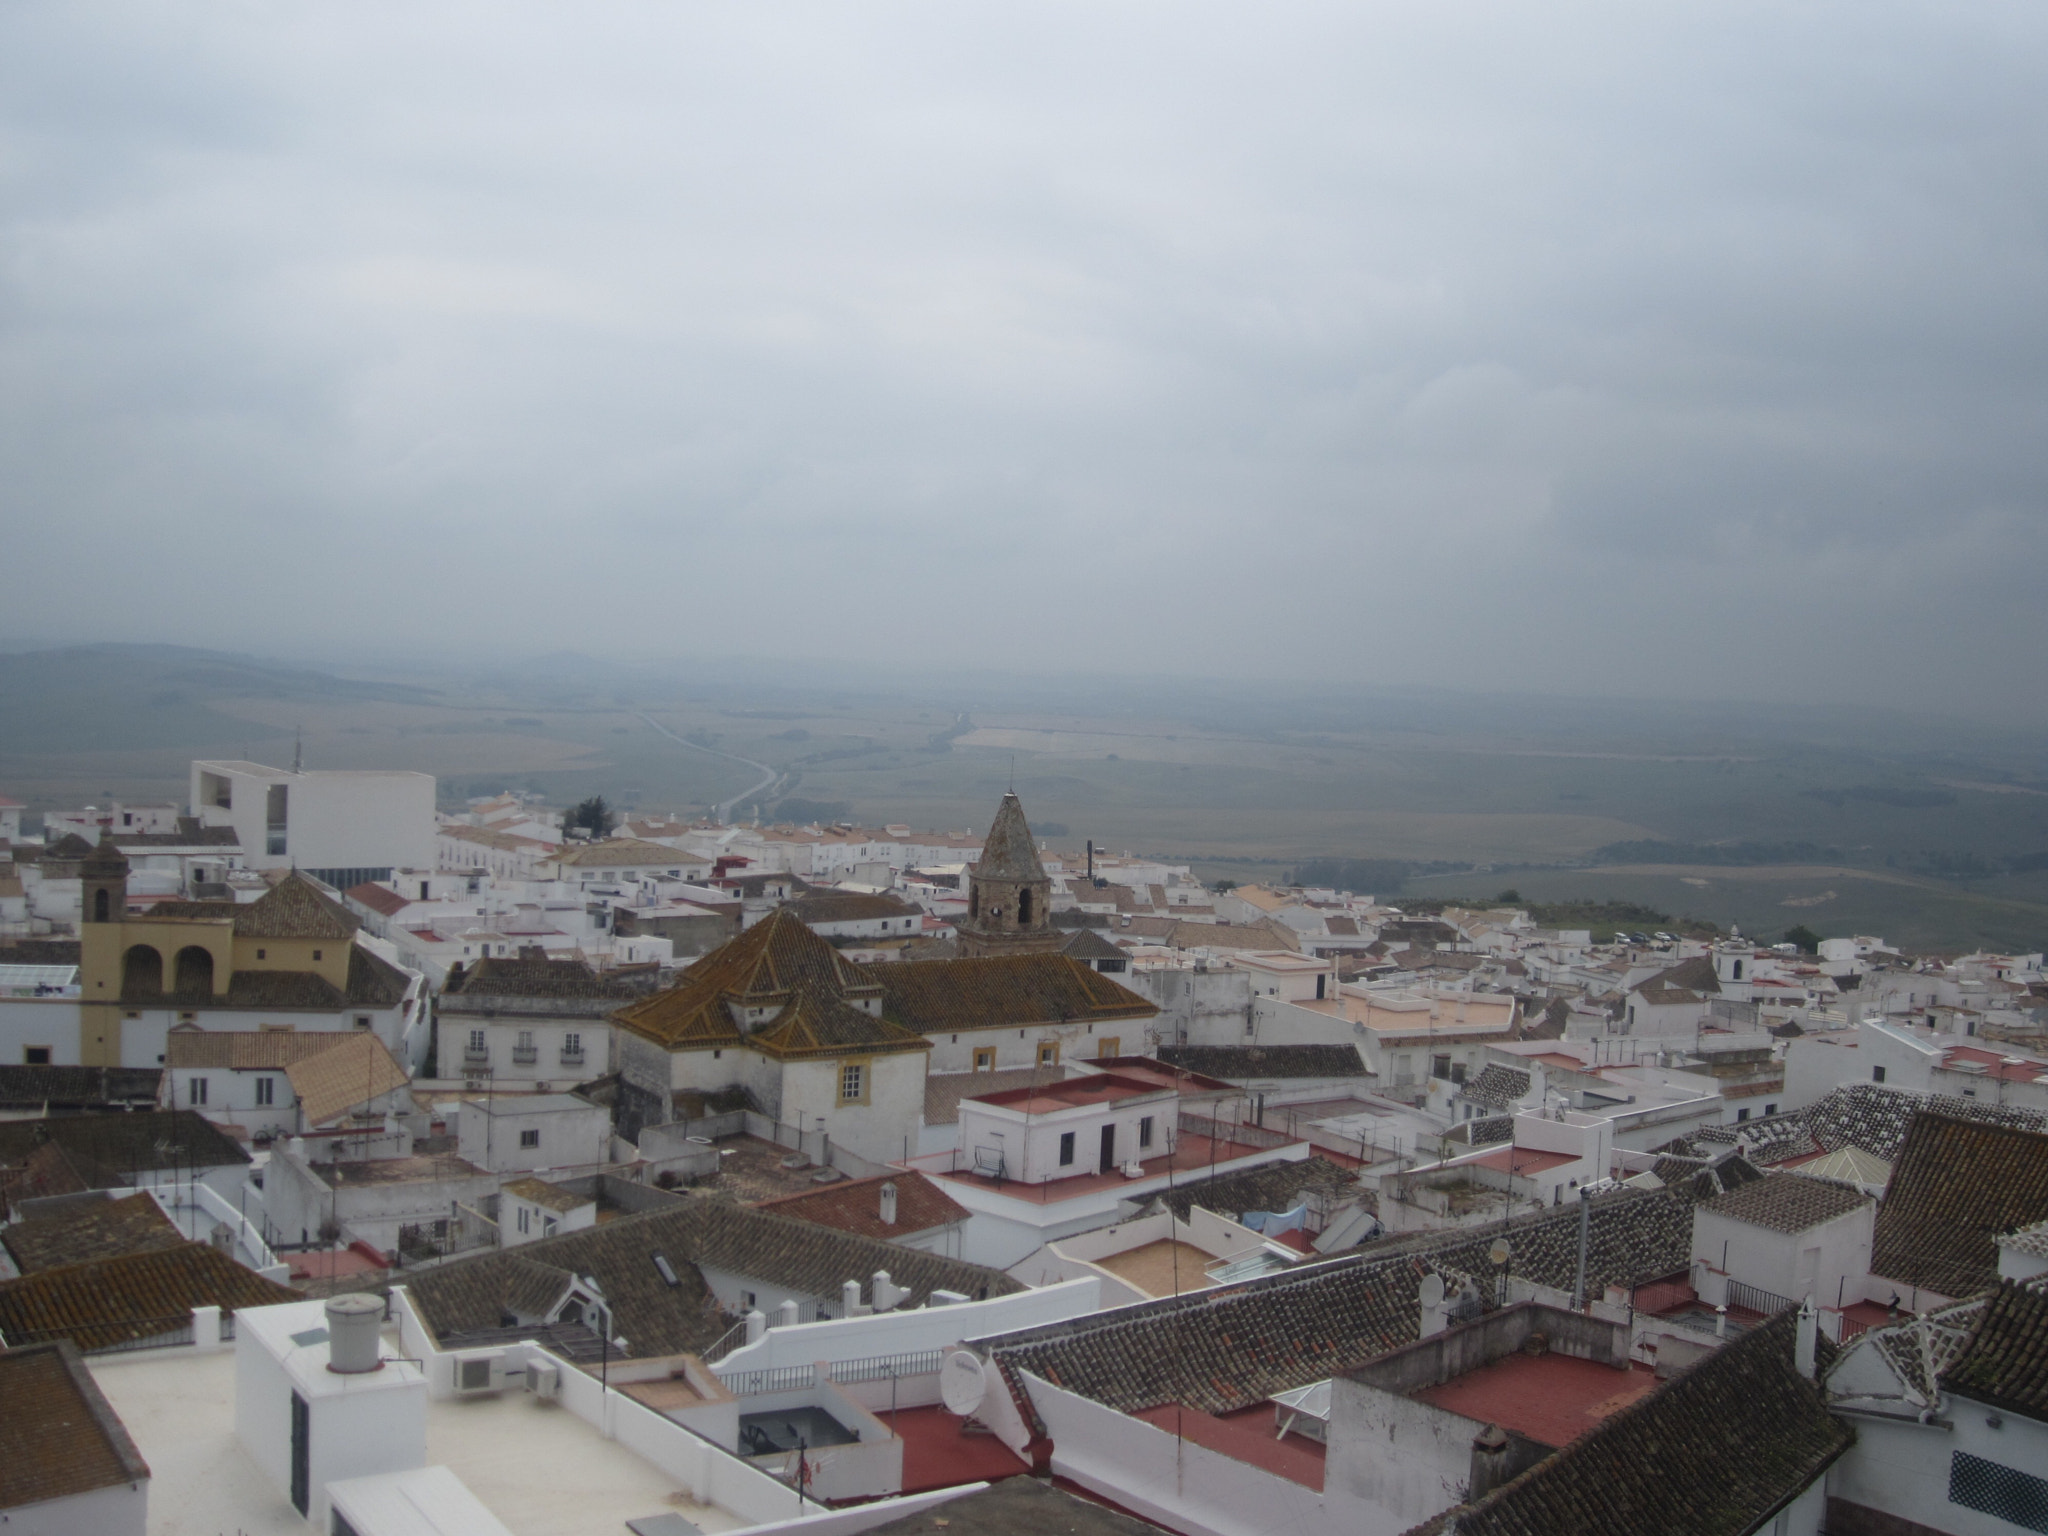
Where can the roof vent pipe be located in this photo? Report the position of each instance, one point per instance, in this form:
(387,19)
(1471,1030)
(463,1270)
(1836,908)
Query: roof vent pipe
(353,1324)
(888,1205)
(1804,1347)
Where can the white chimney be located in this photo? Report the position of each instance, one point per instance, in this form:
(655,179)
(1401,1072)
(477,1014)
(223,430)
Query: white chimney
(889,1205)
(849,1298)
(1803,1347)
(886,1293)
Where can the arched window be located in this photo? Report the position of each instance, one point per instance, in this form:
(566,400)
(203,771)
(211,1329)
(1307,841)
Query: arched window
(974,901)
(1738,970)
(195,970)
(142,972)
(101,906)
(1024,907)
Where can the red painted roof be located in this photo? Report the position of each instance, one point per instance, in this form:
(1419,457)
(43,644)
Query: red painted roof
(856,1206)
(1247,1436)
(1552,1399)
(1070,1093)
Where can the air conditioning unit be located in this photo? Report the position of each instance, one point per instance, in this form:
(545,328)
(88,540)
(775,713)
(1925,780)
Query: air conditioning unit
(474,1085)
(544,1378)
(479,1373)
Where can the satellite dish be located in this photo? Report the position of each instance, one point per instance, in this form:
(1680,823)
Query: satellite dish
(961,1383)
(1500,1253)
(1432,1290)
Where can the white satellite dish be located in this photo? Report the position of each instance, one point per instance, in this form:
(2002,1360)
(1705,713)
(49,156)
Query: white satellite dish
(1432,1290)
(1500,1253)
(961,1383)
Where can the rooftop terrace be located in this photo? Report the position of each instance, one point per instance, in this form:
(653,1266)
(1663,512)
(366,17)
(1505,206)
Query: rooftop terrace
(513,1451)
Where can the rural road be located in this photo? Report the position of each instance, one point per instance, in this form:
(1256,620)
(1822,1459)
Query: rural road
(723,810)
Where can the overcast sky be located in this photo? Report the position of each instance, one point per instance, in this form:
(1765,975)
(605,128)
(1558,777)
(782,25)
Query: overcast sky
(1563,346)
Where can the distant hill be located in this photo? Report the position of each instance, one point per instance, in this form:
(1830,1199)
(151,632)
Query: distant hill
(91,698)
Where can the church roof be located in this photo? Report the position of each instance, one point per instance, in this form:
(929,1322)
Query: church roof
(771,964)
(1010,852)
(295,908)
(818,1025)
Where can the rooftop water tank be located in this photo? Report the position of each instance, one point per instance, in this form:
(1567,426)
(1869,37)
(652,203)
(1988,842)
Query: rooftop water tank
(353,1324)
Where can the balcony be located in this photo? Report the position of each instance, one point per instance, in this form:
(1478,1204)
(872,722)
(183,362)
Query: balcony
(475,1058)
(524,1055)
(572,1058)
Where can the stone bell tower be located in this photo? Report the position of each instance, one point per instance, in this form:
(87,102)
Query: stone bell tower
(103,881)
(1008,892)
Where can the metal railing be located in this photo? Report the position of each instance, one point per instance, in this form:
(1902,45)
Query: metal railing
(923,1362)
(778,1378)
(525,1055)
(731,1340)
(1751,1299)
(572,1058)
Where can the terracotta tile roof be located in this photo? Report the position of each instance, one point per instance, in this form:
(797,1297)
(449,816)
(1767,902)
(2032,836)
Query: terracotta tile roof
(1692,979)
(41,952)
(246,1050)
(1009,852)
(2004,1363)
(856,1206)
(1019,1506)
(1089,944)
(819,1025)
(1239,1063)
(1713,1453)
(766,966)
(779,1251)
(1498,1087)
(534,976)
(126,1144)
(142,1295)
(336,1080)
(80,1087)
(1702,1178)
(1263,934)
(1787,1202)
(624,853)
(1220,1350)
(295,908)
(1956,1185)
(849,906)
(59,1436)
(378,898)
(76,1228)
(1005,991)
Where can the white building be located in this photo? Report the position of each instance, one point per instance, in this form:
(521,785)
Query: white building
(341,826)
(535,1132)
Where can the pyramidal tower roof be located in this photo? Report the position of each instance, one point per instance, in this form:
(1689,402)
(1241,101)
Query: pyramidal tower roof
(1010,852)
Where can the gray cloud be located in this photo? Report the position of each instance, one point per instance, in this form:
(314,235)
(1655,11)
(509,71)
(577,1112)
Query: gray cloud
(1489,345)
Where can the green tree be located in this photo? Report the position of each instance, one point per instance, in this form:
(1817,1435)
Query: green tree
(592,814)
(1807,940)
(1509,896)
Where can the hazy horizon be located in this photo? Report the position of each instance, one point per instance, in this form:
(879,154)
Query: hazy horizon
(1584,352)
